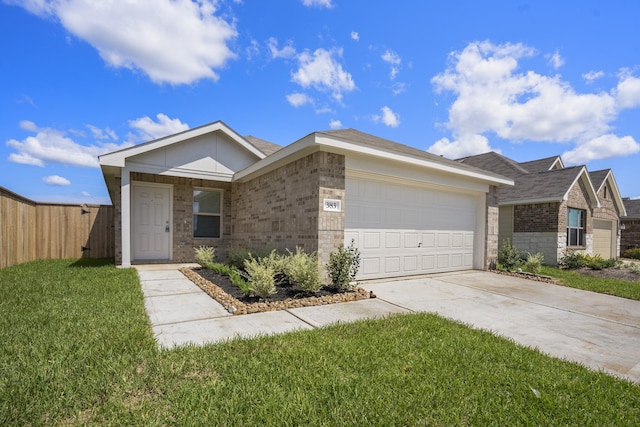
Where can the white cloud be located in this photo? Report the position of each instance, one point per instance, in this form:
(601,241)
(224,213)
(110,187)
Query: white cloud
(398,88)
(102,134)
(298,99)
(323,72)
(467,145)
(602,147)
(319,3)
(172,41)
(394,60)
(86,194)
(50,145)
(592,76)
(492,96)
(56,180)
(335,124)
(628,91)
(355,36)
(555,60)
(147,129)
(286,52)
(388,117)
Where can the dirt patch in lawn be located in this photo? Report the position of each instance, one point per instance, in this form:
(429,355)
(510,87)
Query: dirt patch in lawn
(220,288)
(612,273)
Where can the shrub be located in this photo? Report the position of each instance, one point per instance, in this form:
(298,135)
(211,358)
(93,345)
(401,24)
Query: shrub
(343,266)
(632,253)
(596,262)
(237,256)
(233,274)
(261,276)
(303,270)
(204,255)
(573,260)
(509,256)
(534,262)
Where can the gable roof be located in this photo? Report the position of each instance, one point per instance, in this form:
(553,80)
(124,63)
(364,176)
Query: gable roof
(118,158)
(548,186)
(600,178)
(536,181)
(265,146)
(632,207)
(492,161)
(542,165)
(353,141)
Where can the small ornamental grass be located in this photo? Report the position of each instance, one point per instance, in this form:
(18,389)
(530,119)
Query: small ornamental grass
(205,255)
(534,262)
(261,273)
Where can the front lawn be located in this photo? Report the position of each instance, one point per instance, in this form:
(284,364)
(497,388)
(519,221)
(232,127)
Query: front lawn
(603,285)
(77,350)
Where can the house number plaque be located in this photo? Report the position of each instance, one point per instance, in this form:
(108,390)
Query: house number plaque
(332,205)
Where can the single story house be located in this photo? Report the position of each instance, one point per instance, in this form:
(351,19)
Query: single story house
(552,208)
(630,228)
(408,211)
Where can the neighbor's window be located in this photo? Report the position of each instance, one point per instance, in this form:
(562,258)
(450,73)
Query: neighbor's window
(576,219)
(207,210)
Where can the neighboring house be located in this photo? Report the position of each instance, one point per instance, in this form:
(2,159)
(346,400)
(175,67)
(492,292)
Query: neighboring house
(409,212)
(630,229)
(552,207)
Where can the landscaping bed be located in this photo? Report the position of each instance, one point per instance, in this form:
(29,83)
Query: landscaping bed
(220,288)
(611,273)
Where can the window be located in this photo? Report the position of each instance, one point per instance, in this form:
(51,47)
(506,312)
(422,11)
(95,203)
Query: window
(207,210)
(575,227)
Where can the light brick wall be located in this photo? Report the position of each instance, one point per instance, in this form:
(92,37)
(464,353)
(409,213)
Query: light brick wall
(578,199)
(608,211)
(283,208)
(547,243)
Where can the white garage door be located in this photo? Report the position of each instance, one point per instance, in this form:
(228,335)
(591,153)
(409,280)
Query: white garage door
(404,230)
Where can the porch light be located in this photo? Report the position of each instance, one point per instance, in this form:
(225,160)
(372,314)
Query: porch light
(622,226)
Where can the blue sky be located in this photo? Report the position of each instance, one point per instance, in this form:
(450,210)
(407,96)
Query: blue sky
(530,80)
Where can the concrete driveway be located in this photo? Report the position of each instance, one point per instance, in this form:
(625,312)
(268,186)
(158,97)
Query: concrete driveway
(598,331)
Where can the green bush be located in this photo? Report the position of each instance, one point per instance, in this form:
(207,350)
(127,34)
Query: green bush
(303,270)
(573,260)
(261,274)
(632,253)
(204,255)
(233,274)
(509,256)
(534,262)
(237,256)
(343,266)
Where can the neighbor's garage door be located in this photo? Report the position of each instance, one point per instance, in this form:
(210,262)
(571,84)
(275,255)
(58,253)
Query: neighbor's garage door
(404,230)
(602,238)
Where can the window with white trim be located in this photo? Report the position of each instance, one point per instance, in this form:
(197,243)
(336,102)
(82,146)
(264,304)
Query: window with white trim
(576,220)
(207,213)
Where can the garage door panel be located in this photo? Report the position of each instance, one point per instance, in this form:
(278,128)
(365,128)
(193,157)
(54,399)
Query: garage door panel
(402,230)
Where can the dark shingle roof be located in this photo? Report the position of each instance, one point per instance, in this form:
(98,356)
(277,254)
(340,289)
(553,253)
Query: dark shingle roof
(494,162)
(540,165)
(265,146)
(358,137)
(552,184)
(632,207)
(598,177)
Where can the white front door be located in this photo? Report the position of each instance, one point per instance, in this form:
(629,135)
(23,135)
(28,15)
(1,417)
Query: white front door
(151,216)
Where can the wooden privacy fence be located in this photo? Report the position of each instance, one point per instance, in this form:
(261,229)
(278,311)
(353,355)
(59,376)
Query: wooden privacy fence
(31,230)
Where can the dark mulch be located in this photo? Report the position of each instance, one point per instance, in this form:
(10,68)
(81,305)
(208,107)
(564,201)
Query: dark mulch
(284,291)
(611,273)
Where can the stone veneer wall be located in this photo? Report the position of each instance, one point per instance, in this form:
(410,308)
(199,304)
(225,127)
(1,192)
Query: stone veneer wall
(283,208)
(183,240)
(578,199)
(492,228)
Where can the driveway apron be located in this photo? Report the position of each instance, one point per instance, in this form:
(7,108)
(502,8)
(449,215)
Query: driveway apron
(599,331)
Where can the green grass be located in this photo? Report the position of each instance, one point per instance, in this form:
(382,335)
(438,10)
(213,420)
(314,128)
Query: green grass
(77,350)
(574,279)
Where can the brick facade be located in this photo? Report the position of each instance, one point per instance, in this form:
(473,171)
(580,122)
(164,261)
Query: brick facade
(283,208)
(536,218)
(630,236)
(609,211)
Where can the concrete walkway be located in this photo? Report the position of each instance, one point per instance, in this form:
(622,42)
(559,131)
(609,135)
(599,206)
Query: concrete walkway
(599,331)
